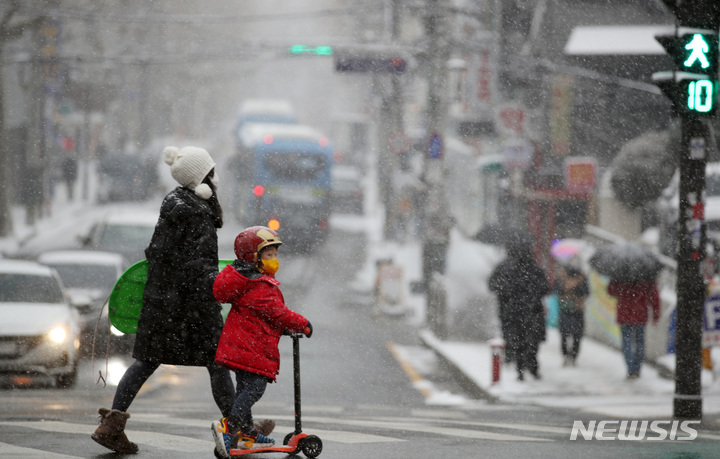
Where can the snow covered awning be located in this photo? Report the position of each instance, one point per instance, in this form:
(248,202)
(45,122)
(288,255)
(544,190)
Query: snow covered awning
(616,40)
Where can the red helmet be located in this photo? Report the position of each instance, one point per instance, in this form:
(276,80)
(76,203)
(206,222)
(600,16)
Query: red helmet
(252,240)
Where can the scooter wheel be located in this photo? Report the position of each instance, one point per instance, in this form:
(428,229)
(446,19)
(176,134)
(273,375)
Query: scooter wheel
(287,438)
(311,446)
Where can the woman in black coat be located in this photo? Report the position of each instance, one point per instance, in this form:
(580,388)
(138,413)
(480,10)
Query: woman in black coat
(180,322)
(520,285)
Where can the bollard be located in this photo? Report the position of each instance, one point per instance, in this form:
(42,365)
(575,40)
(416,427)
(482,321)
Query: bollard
(496,347)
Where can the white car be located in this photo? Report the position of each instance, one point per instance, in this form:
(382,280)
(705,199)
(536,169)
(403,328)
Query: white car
(89,276)
(39,330)
(127,232)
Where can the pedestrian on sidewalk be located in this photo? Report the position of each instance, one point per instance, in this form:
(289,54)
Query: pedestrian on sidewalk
(249,341)
(633,301)
(180,322)
(69,172)
(571,288)
(520,285)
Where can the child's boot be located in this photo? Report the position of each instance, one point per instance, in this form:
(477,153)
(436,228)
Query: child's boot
(219,430)
(251,440)
(111,432)
(265,427)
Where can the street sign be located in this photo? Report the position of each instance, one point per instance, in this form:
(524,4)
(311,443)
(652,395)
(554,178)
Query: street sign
(580,174)
(435,147)
(711,321)
(517,153)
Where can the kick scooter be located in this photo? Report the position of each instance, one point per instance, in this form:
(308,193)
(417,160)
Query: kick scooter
(296,441)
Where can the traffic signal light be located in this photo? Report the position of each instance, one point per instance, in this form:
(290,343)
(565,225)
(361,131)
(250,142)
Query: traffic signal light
(370,63)
(692,94)
(693,85)
(298,50)
(695,50)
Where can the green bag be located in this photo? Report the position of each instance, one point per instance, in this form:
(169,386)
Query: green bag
(126,299)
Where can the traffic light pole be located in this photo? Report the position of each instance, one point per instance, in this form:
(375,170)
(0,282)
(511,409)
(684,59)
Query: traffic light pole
(691,287)
(692,87)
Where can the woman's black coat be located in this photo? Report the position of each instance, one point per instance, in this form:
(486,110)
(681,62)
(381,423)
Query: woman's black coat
(180,322)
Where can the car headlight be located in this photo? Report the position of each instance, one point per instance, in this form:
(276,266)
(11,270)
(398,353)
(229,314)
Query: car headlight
(58,334)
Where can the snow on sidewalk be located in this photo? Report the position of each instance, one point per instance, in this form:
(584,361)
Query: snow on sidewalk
(597,384)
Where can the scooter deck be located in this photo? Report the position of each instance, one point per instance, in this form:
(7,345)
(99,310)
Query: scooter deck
(277,449)
(292,447)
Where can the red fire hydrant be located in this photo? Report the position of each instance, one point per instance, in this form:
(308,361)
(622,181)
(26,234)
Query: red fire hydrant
(496,347)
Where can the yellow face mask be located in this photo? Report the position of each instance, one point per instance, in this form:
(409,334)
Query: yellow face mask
(270,266)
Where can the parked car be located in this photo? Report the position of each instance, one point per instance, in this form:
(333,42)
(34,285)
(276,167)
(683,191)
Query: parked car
(39,330)
(347,193)
(127,232)
(89,276)
(127,177)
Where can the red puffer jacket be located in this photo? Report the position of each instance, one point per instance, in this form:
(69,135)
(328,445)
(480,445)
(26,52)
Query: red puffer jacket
(258,317)
(634,299)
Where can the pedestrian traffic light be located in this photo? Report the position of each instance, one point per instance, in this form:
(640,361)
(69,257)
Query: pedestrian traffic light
(693,50)
(693,85)
(692,94)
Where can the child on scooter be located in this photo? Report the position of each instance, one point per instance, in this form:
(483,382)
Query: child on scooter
(249,341)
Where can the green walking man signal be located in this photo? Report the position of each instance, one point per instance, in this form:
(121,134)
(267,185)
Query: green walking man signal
(699,49)
(693,85)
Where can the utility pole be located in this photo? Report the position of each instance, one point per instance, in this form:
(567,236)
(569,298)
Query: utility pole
(35,149)
(144,132)
(437,220)
(693,87)
(391,112)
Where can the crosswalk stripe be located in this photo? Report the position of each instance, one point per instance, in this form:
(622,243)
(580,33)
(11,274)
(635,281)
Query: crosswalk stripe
(407,426)
(156,439)
(189,444)
(497,425)
(18,452)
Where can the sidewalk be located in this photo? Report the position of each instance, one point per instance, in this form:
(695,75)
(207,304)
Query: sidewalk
(596,385)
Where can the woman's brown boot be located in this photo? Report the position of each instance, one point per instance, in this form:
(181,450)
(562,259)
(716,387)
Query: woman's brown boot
(111,432)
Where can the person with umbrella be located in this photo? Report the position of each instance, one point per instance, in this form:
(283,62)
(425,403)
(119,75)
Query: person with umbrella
(632,271)
(520,284)
(634,298)
(571,287)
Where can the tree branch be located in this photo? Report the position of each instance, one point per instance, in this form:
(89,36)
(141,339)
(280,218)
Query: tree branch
(12,32)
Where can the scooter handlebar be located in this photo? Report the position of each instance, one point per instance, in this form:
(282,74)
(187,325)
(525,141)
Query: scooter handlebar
(295,334)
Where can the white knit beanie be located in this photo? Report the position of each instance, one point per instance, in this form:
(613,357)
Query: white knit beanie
(189,166)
